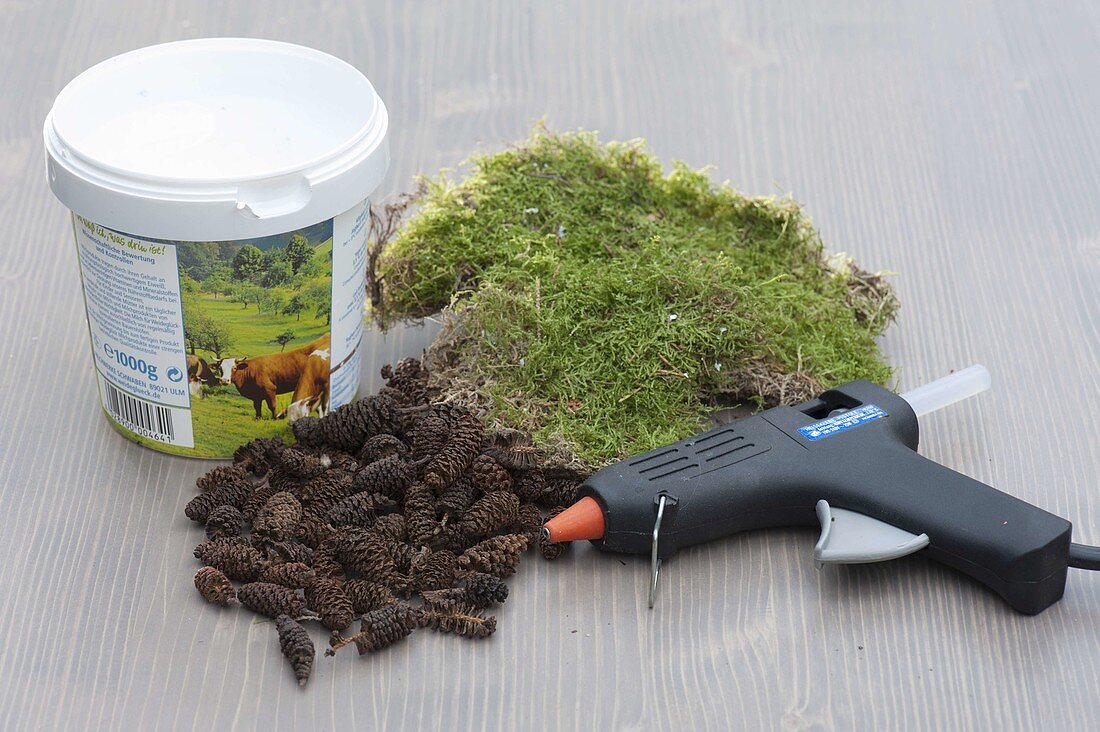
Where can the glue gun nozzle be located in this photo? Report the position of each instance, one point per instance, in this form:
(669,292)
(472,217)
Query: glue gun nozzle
(583,520)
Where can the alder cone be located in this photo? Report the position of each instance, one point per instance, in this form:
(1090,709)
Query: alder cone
(489,513)
(233,556)
(424,530)
(385,626)
(390,528)
(382,446)
(531,485)
(419,498)
(455,457)
(456,498)
(326,562)
(343,461)
(489,475)
(279,552)
(408,370)
(326,489)
(259,455)
(296,575)
(498,555)
(420,520)
(301,465)
(278,519)
(428,436)
(434,571)
(214,586)
(460,620)
(409,379)
(296,646)
(514,450)
(405,554)
(211,544)
(348,427)
(258,498)
(219,476)
(400,584)
(388,476)
(224,521)
(362,552)
(559,492)
(312,530)
(449,597)
(452,538)
(233,493)
(529,521)
(366,596)
(361,509)
(280,478)
(327,598)
(483,590)
(270,599)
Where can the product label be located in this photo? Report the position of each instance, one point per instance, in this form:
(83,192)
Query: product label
(131,289)
(842,422)
(349,291)
(201,346)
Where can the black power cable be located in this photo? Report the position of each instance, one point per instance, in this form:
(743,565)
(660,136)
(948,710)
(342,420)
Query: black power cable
(1083,556)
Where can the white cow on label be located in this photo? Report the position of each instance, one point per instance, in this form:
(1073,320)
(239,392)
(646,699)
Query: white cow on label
(199,373)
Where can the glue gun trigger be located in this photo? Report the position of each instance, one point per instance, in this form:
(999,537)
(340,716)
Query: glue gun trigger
(848,537)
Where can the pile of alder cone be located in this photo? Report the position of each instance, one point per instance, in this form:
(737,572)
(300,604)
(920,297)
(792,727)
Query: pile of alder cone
(392,511)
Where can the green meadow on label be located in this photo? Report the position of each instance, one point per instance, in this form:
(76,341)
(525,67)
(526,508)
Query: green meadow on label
(242,300)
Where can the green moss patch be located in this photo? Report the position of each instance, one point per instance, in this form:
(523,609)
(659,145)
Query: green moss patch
(609,308)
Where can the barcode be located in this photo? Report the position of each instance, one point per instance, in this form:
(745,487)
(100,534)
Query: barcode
(138,415)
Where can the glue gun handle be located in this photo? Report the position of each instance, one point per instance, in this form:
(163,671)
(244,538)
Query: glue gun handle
(1018,550)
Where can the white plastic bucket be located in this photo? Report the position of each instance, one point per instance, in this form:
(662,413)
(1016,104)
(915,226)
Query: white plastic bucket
(220,191)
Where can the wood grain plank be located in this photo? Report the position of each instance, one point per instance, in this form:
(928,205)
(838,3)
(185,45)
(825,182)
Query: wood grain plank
(951,143)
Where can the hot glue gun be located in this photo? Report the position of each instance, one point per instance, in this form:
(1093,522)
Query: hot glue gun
(848,461)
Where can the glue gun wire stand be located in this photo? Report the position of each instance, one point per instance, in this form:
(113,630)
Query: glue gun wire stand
(846,461)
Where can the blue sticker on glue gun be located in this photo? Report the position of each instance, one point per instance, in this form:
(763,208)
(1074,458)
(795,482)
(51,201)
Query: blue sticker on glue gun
(842,422)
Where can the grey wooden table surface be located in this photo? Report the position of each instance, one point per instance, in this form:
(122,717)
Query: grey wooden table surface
(953,143)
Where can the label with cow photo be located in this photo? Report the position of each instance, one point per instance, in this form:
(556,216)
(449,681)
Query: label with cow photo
(202,346)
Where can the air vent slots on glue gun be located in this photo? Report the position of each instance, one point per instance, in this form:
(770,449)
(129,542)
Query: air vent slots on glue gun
(848,461)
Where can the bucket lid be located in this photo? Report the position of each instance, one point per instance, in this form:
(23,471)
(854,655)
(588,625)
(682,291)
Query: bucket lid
(216,139)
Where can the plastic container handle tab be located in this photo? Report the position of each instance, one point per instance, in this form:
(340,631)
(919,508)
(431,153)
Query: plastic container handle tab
(948,390)
(271,198)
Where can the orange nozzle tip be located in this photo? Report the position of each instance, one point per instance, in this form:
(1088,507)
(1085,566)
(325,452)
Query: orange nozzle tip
(583,520)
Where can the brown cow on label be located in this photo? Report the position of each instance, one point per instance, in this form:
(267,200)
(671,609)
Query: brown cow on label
(312,390)
(261,378)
